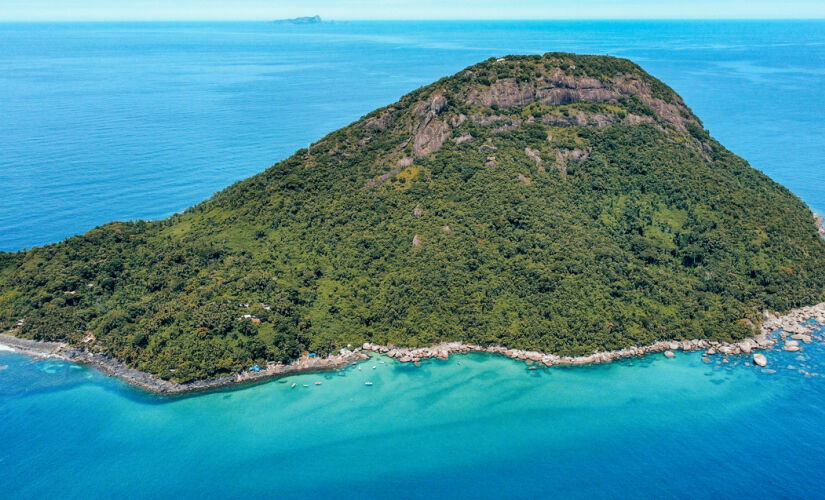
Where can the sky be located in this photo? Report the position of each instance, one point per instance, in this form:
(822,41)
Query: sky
(117,10)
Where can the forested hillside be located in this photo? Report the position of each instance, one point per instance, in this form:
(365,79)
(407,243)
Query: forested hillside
(561,203)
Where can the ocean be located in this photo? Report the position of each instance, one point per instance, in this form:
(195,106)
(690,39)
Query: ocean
(476,426)
(121,121)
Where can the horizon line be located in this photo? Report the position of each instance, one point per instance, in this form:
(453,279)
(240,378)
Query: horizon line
(462,19)
(331,21)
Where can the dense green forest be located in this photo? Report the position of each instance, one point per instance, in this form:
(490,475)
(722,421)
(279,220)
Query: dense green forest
(561,203)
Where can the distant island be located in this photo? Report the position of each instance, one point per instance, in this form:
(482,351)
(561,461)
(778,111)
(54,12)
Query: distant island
(300,20)
(560,204)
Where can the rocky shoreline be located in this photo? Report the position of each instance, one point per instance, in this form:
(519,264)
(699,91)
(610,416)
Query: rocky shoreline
(793,327)
(150,383)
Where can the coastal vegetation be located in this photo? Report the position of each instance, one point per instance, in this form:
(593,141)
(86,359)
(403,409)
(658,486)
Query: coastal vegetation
(558,203)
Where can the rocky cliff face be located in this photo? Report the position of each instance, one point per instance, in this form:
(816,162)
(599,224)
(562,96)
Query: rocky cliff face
(503,95)
(554,88)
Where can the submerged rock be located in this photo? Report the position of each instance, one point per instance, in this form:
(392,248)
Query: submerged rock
(791,346)
(802,337)
(669,354)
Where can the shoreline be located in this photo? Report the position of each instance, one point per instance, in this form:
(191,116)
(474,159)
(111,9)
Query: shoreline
(143,380)
(794,325)
(798,325)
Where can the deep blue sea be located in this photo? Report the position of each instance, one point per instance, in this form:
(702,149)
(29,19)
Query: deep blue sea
(122,121)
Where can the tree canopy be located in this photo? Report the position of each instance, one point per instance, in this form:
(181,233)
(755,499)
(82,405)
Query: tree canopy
(560,203)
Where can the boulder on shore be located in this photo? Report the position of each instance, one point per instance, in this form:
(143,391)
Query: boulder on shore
(669,354)
(760,360)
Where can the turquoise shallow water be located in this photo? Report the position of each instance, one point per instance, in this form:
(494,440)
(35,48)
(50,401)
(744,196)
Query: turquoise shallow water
(475,425)
(123,121)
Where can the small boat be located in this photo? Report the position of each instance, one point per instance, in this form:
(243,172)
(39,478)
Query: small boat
(293,386)
(306,385)
(373,367)
(359,367)
(317,382)
(367,383)
(381,362)
(532,368)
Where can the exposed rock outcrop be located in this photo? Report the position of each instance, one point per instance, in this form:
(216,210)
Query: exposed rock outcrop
(381,122)
(430,137)
(457,120)
(760,360)
(430,132)
(504,93)
(560,88)
(510,126)
(564,156)
(533,154)
(582,119)
(464,138)
(404,162)
(791,346)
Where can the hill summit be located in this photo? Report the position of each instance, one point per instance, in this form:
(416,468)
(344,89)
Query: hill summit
(560,203)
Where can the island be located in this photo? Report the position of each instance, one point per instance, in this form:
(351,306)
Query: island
(300,20)
(562,207)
